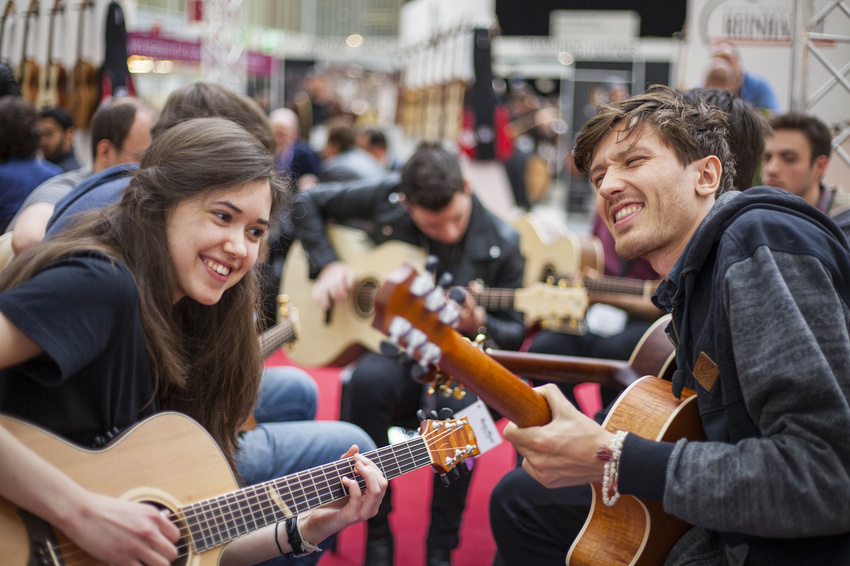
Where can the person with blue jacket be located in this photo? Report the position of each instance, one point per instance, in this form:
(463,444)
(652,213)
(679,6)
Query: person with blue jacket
(757,284)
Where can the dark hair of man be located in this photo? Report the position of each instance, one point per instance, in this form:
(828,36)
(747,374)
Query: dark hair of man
(59,115)
(690,131)
(747,130)
(431,177)
(376,138)
(341,137)
(201,99)
(19,126)
(112,122)
(820,140)
(193,373)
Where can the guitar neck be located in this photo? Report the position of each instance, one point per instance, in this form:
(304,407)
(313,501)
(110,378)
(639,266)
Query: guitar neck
(620,286)
(277,336)
(613,374)
(495,299)
(217,521)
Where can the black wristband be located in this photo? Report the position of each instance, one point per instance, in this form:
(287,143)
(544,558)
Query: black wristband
(277,541)
(294,537)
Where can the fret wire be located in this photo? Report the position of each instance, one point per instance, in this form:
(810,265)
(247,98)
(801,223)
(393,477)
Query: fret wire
(223,522)
(213,522)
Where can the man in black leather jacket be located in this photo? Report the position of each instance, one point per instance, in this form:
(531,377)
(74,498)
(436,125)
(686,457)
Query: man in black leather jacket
(431,206)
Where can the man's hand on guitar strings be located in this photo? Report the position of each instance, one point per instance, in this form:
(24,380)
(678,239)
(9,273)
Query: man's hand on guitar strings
(333,284)
(561,453)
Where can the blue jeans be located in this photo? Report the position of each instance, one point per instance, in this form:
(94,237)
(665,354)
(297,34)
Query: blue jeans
(288,440)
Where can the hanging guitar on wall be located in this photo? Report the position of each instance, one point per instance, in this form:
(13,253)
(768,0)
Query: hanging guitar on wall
(27,74)
(8,84)
(83,92)
(53,80)
(115,78)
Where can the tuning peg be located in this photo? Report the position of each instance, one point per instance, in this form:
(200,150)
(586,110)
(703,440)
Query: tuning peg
(390,349)
(434,415)
(444,479)
(399,326)
(419,373)
(446,414)
(421,285)
(458,295)
(455,473)
(421,416)
(445,390)
(431,264)
(430,354)
(463,467)
(445,280)
(449,315)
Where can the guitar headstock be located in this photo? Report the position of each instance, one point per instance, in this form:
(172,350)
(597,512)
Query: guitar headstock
(416,316)
(554,304)
(449,442)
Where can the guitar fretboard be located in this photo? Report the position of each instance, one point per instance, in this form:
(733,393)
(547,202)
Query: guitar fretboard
(620,286)
(277,336)
(219,520)
(495,299)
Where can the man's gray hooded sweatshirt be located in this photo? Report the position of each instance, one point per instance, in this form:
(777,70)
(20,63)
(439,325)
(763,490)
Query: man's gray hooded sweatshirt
(759,299)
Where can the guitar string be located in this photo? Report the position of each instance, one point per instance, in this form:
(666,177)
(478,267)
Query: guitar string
(222,515)
(377,456)
(306,495)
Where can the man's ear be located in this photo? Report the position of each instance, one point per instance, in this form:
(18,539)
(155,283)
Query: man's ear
(467,188)
(819,166)
(105,152)
(710,171)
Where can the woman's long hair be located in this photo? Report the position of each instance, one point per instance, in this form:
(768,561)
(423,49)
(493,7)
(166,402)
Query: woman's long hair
(205,360)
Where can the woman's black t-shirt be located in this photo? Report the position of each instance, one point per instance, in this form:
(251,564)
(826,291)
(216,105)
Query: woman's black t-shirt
(94,378)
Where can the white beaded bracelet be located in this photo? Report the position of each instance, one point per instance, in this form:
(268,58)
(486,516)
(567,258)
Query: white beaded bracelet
(611,471)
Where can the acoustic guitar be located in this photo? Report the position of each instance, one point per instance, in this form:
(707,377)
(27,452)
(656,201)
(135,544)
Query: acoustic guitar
(337,336)
(633,531)
(28,70)
(53,80)
(171,461)
(552,252)
(7,13)
(83,91)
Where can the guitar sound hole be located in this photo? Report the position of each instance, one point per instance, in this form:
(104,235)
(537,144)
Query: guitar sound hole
(183,543)
(364,298)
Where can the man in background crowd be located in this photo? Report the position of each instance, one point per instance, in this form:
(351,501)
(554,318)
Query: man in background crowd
(57,138)
(796,156)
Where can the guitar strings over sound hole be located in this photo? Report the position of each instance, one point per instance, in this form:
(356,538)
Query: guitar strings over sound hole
(364,298)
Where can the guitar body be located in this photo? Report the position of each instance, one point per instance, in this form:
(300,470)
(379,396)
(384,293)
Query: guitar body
(338,336)
(632,531)
(29,73)
(550,252)
(167,459)
(83,91)
(83,98)
(635,531)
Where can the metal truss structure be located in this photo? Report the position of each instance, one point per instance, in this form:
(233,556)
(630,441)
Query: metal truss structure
(223,54)
(806,51)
